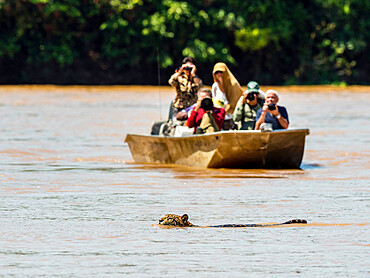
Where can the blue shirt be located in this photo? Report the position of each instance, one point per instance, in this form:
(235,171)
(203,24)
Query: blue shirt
(272,119)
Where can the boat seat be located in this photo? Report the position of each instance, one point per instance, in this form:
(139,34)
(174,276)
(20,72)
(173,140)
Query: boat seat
(156,127)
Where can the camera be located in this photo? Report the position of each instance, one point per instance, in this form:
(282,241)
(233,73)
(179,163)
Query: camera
(188,68)
(250,96)
(206,104)
(271,106)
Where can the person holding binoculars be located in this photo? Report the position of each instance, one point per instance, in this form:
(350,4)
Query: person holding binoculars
(272,113)
(187,84)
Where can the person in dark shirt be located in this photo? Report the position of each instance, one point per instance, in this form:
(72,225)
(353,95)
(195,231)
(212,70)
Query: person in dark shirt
(272,113)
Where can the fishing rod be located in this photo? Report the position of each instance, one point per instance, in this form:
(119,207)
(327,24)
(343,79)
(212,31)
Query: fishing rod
(159,84)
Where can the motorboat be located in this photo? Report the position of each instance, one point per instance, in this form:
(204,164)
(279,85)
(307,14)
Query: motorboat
(252,149)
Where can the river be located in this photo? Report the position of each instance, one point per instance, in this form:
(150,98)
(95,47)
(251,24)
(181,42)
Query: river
(74,204)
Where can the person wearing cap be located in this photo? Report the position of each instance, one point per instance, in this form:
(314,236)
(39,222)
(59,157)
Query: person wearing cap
(187,84)
(246,109)
(213,115)
(226,90)
(253,86)
(272,113)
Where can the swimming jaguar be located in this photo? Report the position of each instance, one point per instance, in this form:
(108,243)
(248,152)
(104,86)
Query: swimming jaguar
(182,221)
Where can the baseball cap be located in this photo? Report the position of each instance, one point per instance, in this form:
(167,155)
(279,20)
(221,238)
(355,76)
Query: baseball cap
(253,86)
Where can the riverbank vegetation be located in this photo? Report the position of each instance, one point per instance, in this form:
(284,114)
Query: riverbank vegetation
(143,41)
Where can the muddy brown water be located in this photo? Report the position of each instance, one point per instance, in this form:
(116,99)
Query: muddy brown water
(74,204)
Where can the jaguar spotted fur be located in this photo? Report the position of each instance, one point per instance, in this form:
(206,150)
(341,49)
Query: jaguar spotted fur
(182,221)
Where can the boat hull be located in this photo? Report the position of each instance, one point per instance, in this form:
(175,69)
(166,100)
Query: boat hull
(280,149)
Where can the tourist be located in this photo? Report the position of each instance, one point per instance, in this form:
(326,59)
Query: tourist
(226,90)
(205,107)
(254,86)
(272,113)
(187,84)
(246,110)
(208,123)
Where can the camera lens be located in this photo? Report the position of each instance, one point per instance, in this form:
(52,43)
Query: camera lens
(271,106)
(250,96)
(206,104)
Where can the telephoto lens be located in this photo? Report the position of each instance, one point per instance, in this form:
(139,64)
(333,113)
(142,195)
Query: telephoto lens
(272,106)
(207,104)
(250,96)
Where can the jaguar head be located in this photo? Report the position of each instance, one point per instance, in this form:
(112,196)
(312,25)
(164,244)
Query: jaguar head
(175,220)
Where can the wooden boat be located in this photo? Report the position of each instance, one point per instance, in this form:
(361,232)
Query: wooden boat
(279,149)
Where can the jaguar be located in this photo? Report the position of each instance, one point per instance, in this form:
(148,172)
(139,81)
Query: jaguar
(182,221)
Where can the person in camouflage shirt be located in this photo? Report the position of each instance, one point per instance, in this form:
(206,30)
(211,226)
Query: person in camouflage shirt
(187,84)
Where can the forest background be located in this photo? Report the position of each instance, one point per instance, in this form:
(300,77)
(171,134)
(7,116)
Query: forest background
(143,41)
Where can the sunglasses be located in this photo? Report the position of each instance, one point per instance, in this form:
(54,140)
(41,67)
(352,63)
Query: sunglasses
(217,72)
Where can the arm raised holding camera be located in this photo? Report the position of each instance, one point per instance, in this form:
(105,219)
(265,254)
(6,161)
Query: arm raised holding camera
(187,84)
(270,107)
(262,117)
(189,69)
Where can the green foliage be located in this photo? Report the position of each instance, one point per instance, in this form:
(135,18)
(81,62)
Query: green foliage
(252,39)
(281,42)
